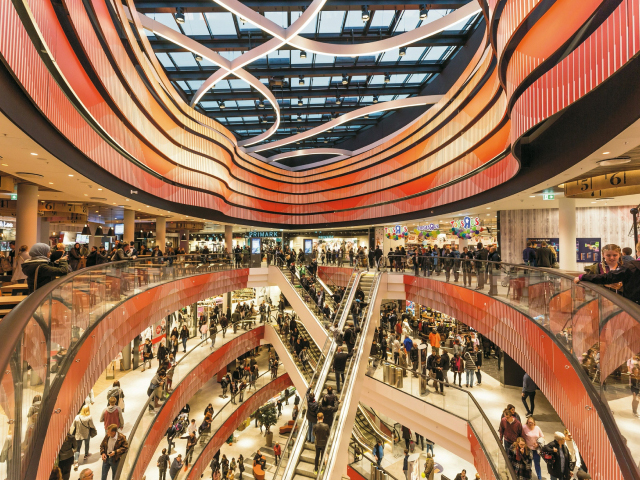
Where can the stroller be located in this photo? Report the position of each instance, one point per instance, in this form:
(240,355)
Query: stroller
(177,428)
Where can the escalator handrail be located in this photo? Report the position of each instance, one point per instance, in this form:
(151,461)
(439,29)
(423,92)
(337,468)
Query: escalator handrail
(336,428)
(473,399)
(373,425)
(364,455)
(13,324)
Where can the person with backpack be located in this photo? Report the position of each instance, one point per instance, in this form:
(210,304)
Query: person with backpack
(557,457)
(162,464)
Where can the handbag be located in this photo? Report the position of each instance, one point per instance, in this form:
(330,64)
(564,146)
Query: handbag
(92,430)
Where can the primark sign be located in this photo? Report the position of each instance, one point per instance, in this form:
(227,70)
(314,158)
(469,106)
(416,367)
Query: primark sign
(265,234)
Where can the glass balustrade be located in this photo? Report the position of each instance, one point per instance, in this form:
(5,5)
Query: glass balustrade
(45,331)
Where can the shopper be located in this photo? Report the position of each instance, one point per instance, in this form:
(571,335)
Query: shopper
(378,452)
(112,415)
(558,468)
(534,438)
(469,366)
(510,429)
(627,255)
(457,367)
(529,255)
(66,455)
(74,257)
(528,391)
(545,256)
(176,466)
(83,426)
(521,459)
(429,467)
(162,464)
(277,452)
(478,359)
(405,465)
(406,435)
(635,390)
(611,262)
(147,354)
(113,446)
(184,336)
(462,475)
(312,415)
(629,275)
(40,265)
(22,256)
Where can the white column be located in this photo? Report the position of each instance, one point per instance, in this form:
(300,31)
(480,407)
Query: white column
(43,230)
(228,238)
(129,226)
(161,233)
(567,233)
(27,215)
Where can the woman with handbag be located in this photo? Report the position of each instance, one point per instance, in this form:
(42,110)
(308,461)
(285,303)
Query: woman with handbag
(22,256)
(85,430)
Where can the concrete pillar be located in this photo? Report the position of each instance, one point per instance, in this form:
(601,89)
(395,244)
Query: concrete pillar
(161,233)
(126,357)
(27,215)
(567,233)
(129,226)
(464,242)
(43,230)
(184,243)
(228,238)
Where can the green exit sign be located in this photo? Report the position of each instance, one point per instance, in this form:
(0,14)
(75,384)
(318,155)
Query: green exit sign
(14,196)
(548,196)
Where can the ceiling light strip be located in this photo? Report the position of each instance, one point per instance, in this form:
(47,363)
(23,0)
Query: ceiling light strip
(368,110)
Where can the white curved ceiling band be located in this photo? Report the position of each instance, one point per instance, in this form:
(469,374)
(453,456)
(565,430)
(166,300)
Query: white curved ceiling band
(311,151)
(375,108)
(225,65)
(371,48)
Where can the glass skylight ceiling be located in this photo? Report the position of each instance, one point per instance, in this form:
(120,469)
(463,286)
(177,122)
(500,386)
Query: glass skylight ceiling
(315,79)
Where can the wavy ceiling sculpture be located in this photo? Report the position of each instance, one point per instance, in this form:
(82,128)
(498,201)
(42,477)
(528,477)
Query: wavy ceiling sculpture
(92,73)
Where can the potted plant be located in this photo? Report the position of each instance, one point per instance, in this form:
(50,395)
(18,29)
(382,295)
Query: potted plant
(268,416)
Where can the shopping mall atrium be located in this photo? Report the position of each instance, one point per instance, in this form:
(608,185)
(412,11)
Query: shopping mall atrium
(319,239)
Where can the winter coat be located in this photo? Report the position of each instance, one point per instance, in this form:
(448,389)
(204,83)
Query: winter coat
(82,425)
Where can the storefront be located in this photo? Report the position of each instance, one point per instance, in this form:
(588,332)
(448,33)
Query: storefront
(7,232)
(329,240)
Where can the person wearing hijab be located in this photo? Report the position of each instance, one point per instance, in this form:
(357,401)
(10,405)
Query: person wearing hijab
(46,270)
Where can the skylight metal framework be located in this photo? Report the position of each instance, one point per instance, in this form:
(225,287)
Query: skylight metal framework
(291,75)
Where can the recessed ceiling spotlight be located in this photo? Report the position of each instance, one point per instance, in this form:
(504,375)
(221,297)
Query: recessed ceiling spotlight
(609,162)
(5,164)
(261,104)
(299,118)
(403,51)
(198,58)
(34,154)
(50,183)
(375,99)
(303,54)
(532,196)
(606,153)
(387,78)
(222,105)
(301,80)
(71,175)
(243,20)
(180,15)
(300,103)
(338,101)
(345,79)
(366,115)
(423,11)
(365,13)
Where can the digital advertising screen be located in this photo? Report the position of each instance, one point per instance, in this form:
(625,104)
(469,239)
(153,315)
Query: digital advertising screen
(255,246)
(308,246)
(588,250)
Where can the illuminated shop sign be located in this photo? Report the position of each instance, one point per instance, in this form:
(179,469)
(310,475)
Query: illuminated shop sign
(265,234)
(397,232)
(466,222)
(4,224)
(428,228)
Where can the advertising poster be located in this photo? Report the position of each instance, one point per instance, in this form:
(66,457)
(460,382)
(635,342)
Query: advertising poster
(588,250)
(552,243)
(308,246)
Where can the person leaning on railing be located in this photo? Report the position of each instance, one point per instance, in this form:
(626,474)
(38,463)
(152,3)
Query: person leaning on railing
(628,274)
(40,270)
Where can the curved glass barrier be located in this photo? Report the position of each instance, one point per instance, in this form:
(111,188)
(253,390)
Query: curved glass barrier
(457,401)
(144,422)
(43,333)
(295,443)
(596,327)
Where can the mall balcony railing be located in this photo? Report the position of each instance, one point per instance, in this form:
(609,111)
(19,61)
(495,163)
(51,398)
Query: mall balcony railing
(145,421)
(457,401)
(43,333)
(295,442)
(596,327)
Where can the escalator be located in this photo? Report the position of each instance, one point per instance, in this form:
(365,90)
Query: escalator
(365,431)
(298,453)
